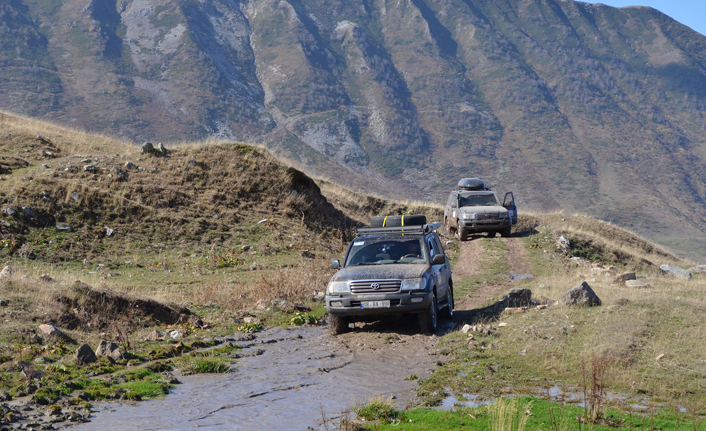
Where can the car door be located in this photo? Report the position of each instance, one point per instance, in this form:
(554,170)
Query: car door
(509,203)
(440,273)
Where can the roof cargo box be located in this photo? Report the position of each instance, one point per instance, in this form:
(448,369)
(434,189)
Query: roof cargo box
(471,184)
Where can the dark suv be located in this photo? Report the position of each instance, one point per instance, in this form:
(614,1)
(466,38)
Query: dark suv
(391,270)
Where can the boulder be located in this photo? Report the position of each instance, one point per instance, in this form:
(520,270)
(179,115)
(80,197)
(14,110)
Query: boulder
(701,269)
(524,295)
(637,283)
(109,349)
(6,272)
(580,295)
(63,227)
(677,272)
(85,355)
(622,278)
(147,148)
(162,151)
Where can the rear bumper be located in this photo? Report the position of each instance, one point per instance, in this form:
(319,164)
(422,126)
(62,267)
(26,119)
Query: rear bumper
(399,303)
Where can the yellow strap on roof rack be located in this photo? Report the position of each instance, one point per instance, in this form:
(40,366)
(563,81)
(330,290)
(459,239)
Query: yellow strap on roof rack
(402,220)
(384,221)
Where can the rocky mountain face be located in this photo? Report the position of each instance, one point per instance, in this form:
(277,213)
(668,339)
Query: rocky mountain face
(573,106)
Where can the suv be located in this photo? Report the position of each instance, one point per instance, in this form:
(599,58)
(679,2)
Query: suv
(391,270)
(474,209)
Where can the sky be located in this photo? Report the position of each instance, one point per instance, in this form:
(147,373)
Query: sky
(688,12)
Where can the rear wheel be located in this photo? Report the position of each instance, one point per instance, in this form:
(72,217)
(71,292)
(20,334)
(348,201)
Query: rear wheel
(338,324)
(428,319)
(448,311)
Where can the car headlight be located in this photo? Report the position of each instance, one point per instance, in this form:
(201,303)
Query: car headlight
(469,216)
(338,287)
(413,284)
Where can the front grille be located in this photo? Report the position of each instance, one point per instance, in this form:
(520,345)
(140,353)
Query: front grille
(487,215)
(375,286)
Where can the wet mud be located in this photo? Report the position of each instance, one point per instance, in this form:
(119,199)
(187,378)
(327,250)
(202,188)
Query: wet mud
(286,379)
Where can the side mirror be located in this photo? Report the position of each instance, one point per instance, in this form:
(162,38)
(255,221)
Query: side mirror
(335,264)
(439,259)
(453,205)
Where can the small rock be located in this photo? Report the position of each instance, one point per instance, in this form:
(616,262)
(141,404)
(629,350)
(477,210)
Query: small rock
(4,396)
(5,224)
(48,329)
(307,254)
(502,324)
(119,172)
(659,357)
(581,295)
(319,296)
(147,148)
(541,306)
(155,336)
(46,278)
(6,272)
(249,319)
(470,337)
(130,165)
(161,149)
(109,349)
(74,196)
(28,211)
(109,231)
(471,345)
(86,161)
(563,243)
(449,242)
(676,272)
(700,269)
(91,168)
(63,227)
(10,211)
(621,279)
(262,221)
(40,359)
(85,355)
(524,295)
(41,139)
(246,247)
(466,328)
(637,283)
(191,162)
(523,352)
(87,262)
(493,347)
(3,303)
(178,333)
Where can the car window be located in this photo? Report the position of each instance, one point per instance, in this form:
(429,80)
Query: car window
(478,200)
(386,250)
(439,247)
(452,199)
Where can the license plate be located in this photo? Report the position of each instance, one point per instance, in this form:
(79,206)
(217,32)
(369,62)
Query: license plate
(375,304)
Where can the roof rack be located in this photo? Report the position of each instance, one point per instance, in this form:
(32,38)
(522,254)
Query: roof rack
(418,229)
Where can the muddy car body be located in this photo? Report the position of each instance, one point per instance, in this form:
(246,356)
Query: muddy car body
(391,270)
(477,209)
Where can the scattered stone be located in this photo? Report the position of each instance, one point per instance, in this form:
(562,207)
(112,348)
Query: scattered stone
(6,272)
(31,374)
(109,349)
(541,306)
(10,211)
(307,254)
(119,172)
(502,324)
(91,168)
(109,231)
(191,162)
(155,336)
(87,262)
(246,247)
(470,337)
(319,296)
(449,242)
(701,269)
(162,151)
(261,304)
(49,329)
(86,161)
(523,352)
(581,295)
(28,211)
(41,139)
(493,347)
(5,224)
(466,328)
(621,279)
(637,283)
(4,396)
(249,319)
(74,196)
(46,278)
(85,355)
(177,333)
(3,303)
(471,345)
(262,221)
(659,357)
(563,244)
(147,148)
(524,295)
(130,165)
(676,272)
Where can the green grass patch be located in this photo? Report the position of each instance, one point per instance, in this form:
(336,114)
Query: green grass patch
(197,364)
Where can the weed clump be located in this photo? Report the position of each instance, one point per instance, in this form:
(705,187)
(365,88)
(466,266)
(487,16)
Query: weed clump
(377,408)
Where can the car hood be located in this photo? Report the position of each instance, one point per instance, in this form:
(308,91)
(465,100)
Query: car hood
(484,209)
(381,272)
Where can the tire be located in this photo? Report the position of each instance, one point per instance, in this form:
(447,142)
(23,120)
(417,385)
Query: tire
(491,234)
(462,234)
(448,311)
(506,232)
(396,221)
(338,324)
(447,228)
(428,319)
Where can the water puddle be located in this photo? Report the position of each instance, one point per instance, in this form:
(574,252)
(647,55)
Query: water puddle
(473,401)
(301,373)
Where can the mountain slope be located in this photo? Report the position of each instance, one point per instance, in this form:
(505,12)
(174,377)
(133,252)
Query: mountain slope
(575,107)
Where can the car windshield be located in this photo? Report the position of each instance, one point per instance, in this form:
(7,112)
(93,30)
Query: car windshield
(386,250)
(477,200)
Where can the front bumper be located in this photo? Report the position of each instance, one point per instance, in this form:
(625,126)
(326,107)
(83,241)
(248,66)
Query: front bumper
(399,303)
(485,226)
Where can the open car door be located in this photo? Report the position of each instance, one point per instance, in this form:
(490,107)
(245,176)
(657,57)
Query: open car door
(509,203)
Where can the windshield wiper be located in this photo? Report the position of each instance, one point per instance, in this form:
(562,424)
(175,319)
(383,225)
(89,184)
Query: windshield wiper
(367,263)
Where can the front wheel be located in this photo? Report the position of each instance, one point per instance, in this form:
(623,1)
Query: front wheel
(338,324)
(462,235)
(506,232)
(427,319)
